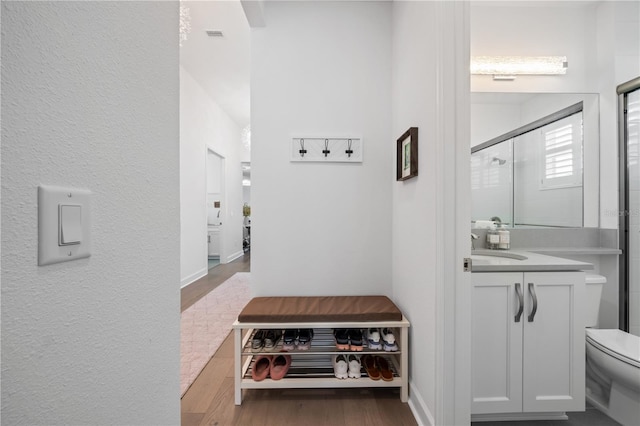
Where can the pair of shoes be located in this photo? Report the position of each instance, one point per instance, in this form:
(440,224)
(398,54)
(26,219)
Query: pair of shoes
(346,366)
(389,340)
(266,339)
(348,339)
(275,366)
(373,339)
(377,368)
(297,339)
(289,339)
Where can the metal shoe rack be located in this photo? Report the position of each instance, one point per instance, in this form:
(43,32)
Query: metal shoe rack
(313,368)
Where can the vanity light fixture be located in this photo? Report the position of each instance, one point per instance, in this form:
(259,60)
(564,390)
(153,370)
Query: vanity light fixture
(508,67)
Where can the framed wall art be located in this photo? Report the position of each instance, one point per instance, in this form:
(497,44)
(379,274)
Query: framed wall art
(407,155)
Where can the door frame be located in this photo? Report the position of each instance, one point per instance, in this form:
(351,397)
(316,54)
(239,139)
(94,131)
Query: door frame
(623,199)
(223,201)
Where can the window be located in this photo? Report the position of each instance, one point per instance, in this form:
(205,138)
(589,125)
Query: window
(561,153)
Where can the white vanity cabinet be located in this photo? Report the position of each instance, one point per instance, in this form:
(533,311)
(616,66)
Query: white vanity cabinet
(528,347)
(213,241)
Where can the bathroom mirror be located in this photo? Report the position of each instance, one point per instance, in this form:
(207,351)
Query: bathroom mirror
(510,161)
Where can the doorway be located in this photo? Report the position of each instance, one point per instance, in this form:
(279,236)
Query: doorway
(216,208)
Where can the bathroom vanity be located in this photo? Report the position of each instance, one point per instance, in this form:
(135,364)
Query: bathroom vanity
(528,349)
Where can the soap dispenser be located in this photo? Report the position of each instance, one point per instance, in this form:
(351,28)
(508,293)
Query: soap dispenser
(504,238)
(493,238)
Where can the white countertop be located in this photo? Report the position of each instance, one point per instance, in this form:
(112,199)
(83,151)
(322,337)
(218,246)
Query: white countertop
(512,261)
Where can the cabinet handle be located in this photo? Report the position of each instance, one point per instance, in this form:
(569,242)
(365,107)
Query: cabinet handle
(520,302)
(208,238)
(532,291)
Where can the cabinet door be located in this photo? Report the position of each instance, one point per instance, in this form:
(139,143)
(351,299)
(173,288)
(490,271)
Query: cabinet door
(554,345)
(213,243)
(496,343)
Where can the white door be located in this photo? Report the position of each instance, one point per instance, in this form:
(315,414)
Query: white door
(554,345)
(496,343)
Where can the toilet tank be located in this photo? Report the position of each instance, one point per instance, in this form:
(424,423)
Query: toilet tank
(593,292)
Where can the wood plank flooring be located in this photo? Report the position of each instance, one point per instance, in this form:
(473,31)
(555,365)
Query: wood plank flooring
(210,399)
(216,276)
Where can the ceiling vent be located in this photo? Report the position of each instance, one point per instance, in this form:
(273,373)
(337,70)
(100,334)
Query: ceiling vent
(215,33)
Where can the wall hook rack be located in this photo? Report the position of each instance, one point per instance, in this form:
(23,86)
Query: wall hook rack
(346,149)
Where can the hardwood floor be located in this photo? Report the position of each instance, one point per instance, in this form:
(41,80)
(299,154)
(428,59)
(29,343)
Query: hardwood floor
(210,399)
(216,276)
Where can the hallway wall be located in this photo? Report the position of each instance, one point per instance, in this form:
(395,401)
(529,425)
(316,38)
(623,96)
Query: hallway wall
(204,124)
(90,100)
(321,68)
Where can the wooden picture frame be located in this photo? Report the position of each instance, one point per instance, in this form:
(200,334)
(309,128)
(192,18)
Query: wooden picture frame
(407,155)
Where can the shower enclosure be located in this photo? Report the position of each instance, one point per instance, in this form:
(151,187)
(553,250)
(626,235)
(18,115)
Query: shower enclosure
(629,227)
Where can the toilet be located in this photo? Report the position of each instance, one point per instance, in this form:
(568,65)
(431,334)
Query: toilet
(613,363)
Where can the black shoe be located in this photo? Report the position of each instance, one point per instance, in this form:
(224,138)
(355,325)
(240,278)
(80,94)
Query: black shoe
(342,338)
(355,339)
(304,338)
(289,339)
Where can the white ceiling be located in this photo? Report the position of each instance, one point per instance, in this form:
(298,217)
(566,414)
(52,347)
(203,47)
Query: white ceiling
(220,64)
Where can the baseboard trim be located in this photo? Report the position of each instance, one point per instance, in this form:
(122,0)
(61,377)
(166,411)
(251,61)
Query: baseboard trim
(234,256)
(193,277)
(514,417)
(419,408)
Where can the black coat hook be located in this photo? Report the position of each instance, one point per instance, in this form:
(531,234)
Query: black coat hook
(302,150)
(349,151)
(326,151)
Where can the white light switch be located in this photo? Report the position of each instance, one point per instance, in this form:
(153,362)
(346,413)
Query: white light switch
(64,224)
(70,231)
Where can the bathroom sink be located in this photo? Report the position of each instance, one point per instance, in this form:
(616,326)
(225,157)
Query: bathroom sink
(484,260)
(480,254)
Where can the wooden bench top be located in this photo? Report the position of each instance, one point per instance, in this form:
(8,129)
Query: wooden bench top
(320,309)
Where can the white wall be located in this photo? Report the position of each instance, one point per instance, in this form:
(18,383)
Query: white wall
(550,28)
(414,215)
(430,91)
(90,100)
(321,229)
(204,124)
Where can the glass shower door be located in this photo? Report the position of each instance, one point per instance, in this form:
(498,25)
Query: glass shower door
(630,220)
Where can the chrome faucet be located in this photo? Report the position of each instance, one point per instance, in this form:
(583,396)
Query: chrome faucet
(473,238)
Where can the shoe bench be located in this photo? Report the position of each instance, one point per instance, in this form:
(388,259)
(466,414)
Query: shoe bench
(313,368)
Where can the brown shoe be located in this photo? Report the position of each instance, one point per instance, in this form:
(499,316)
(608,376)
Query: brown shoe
(385,371)
(369,363)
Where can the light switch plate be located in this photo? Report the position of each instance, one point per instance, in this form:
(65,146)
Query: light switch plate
(50,200)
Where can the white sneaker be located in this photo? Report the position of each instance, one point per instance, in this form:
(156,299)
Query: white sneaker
(389,340)
(340,367)
(354,367)
(373,338)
